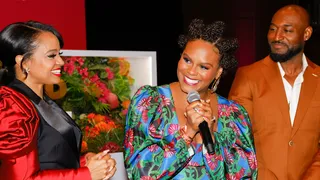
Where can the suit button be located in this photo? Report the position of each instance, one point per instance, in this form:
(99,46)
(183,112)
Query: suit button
(291,143)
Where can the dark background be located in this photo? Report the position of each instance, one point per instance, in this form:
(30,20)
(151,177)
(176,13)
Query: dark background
(156,25)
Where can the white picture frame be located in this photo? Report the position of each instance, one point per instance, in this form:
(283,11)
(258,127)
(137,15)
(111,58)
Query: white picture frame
(143,64)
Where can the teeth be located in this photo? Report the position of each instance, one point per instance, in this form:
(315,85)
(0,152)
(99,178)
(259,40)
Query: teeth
(191,81)
(56,71)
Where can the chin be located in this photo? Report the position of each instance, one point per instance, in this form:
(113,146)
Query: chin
(187,88)
(55,81)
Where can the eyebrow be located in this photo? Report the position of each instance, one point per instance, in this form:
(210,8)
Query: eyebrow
(286,25)
(185,54)
(52,50)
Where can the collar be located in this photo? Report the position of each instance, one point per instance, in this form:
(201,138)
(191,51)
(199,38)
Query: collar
(25,90)
(304,66)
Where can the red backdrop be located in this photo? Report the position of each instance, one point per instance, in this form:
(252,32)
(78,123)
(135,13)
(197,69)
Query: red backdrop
(67,16)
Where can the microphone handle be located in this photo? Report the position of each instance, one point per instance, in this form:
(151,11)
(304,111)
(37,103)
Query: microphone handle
(206,136)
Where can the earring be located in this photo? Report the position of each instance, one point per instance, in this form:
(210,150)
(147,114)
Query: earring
(26,70)
(215,84)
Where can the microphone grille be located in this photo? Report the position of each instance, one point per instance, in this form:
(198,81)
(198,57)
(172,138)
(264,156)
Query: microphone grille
(193,96)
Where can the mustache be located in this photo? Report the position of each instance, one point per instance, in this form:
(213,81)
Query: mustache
(278,42)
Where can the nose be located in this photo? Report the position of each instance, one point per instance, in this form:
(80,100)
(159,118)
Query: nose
(278,35)
(193,70)
(60,61)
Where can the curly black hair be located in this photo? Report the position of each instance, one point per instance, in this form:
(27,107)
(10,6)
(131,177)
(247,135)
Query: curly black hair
(213,33)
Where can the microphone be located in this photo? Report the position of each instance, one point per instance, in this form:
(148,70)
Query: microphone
(203,126)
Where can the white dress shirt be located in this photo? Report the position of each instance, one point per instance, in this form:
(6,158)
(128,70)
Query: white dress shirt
(293,92)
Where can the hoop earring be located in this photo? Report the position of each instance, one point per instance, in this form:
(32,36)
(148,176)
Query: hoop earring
(214,85)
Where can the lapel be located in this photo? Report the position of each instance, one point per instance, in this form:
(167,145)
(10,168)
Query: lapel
(273,77)
(61,123)
(308,88)
(53,115)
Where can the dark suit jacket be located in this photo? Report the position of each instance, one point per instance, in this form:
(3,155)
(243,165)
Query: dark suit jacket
(283,152)
(47,142)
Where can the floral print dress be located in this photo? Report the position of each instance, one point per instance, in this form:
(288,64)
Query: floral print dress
(154,148)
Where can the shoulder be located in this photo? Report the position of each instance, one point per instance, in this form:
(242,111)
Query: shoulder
(10,96)
(154,91)
(151,96)
(19,121)
(254,67)
(312,64)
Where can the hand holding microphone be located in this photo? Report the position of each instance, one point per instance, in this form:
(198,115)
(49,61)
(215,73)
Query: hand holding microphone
(199,117)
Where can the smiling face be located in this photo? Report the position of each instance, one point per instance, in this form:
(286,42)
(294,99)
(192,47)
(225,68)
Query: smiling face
(198,66)
(287,33)
(45,62)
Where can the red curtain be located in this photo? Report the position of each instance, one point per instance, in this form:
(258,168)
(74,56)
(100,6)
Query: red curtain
(67,16)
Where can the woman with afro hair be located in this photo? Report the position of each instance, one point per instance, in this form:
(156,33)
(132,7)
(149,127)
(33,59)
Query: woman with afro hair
(163,140)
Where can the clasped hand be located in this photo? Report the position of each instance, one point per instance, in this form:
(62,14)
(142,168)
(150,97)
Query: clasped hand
(101,165)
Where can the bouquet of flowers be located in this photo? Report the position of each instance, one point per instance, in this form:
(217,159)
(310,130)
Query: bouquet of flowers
(98,94)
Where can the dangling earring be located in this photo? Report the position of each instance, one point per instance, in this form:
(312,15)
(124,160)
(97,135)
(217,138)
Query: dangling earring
(214,85)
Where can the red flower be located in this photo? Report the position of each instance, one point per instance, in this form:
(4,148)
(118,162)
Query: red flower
(111,146)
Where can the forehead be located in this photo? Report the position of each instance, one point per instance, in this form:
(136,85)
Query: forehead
(47,41)
(201,48)
(288,18)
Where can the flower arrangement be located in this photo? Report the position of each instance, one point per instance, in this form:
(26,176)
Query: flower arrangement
(98,94)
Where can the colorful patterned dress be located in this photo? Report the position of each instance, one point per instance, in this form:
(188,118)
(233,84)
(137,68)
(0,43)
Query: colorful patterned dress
(154,148)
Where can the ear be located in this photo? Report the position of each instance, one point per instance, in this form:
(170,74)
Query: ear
(307,33)
(18,60)
(219,72)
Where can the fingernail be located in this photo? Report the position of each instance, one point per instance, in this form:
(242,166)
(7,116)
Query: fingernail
(208,100)
(110,169)
(201,100)
(106,151)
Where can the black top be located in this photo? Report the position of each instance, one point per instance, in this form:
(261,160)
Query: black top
(59,137)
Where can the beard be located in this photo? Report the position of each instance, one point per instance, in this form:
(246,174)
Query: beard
(286,56)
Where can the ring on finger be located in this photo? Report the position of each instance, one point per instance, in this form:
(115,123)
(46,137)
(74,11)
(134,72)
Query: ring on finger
(196,109)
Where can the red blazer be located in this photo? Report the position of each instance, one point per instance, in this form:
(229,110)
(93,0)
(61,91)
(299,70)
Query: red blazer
(283,152)
(19,124)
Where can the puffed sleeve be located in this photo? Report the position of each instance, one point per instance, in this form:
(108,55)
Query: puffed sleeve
(153,145)
(234,156)
(19,122)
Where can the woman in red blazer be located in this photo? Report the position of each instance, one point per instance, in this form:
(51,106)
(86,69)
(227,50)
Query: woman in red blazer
(38,140)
